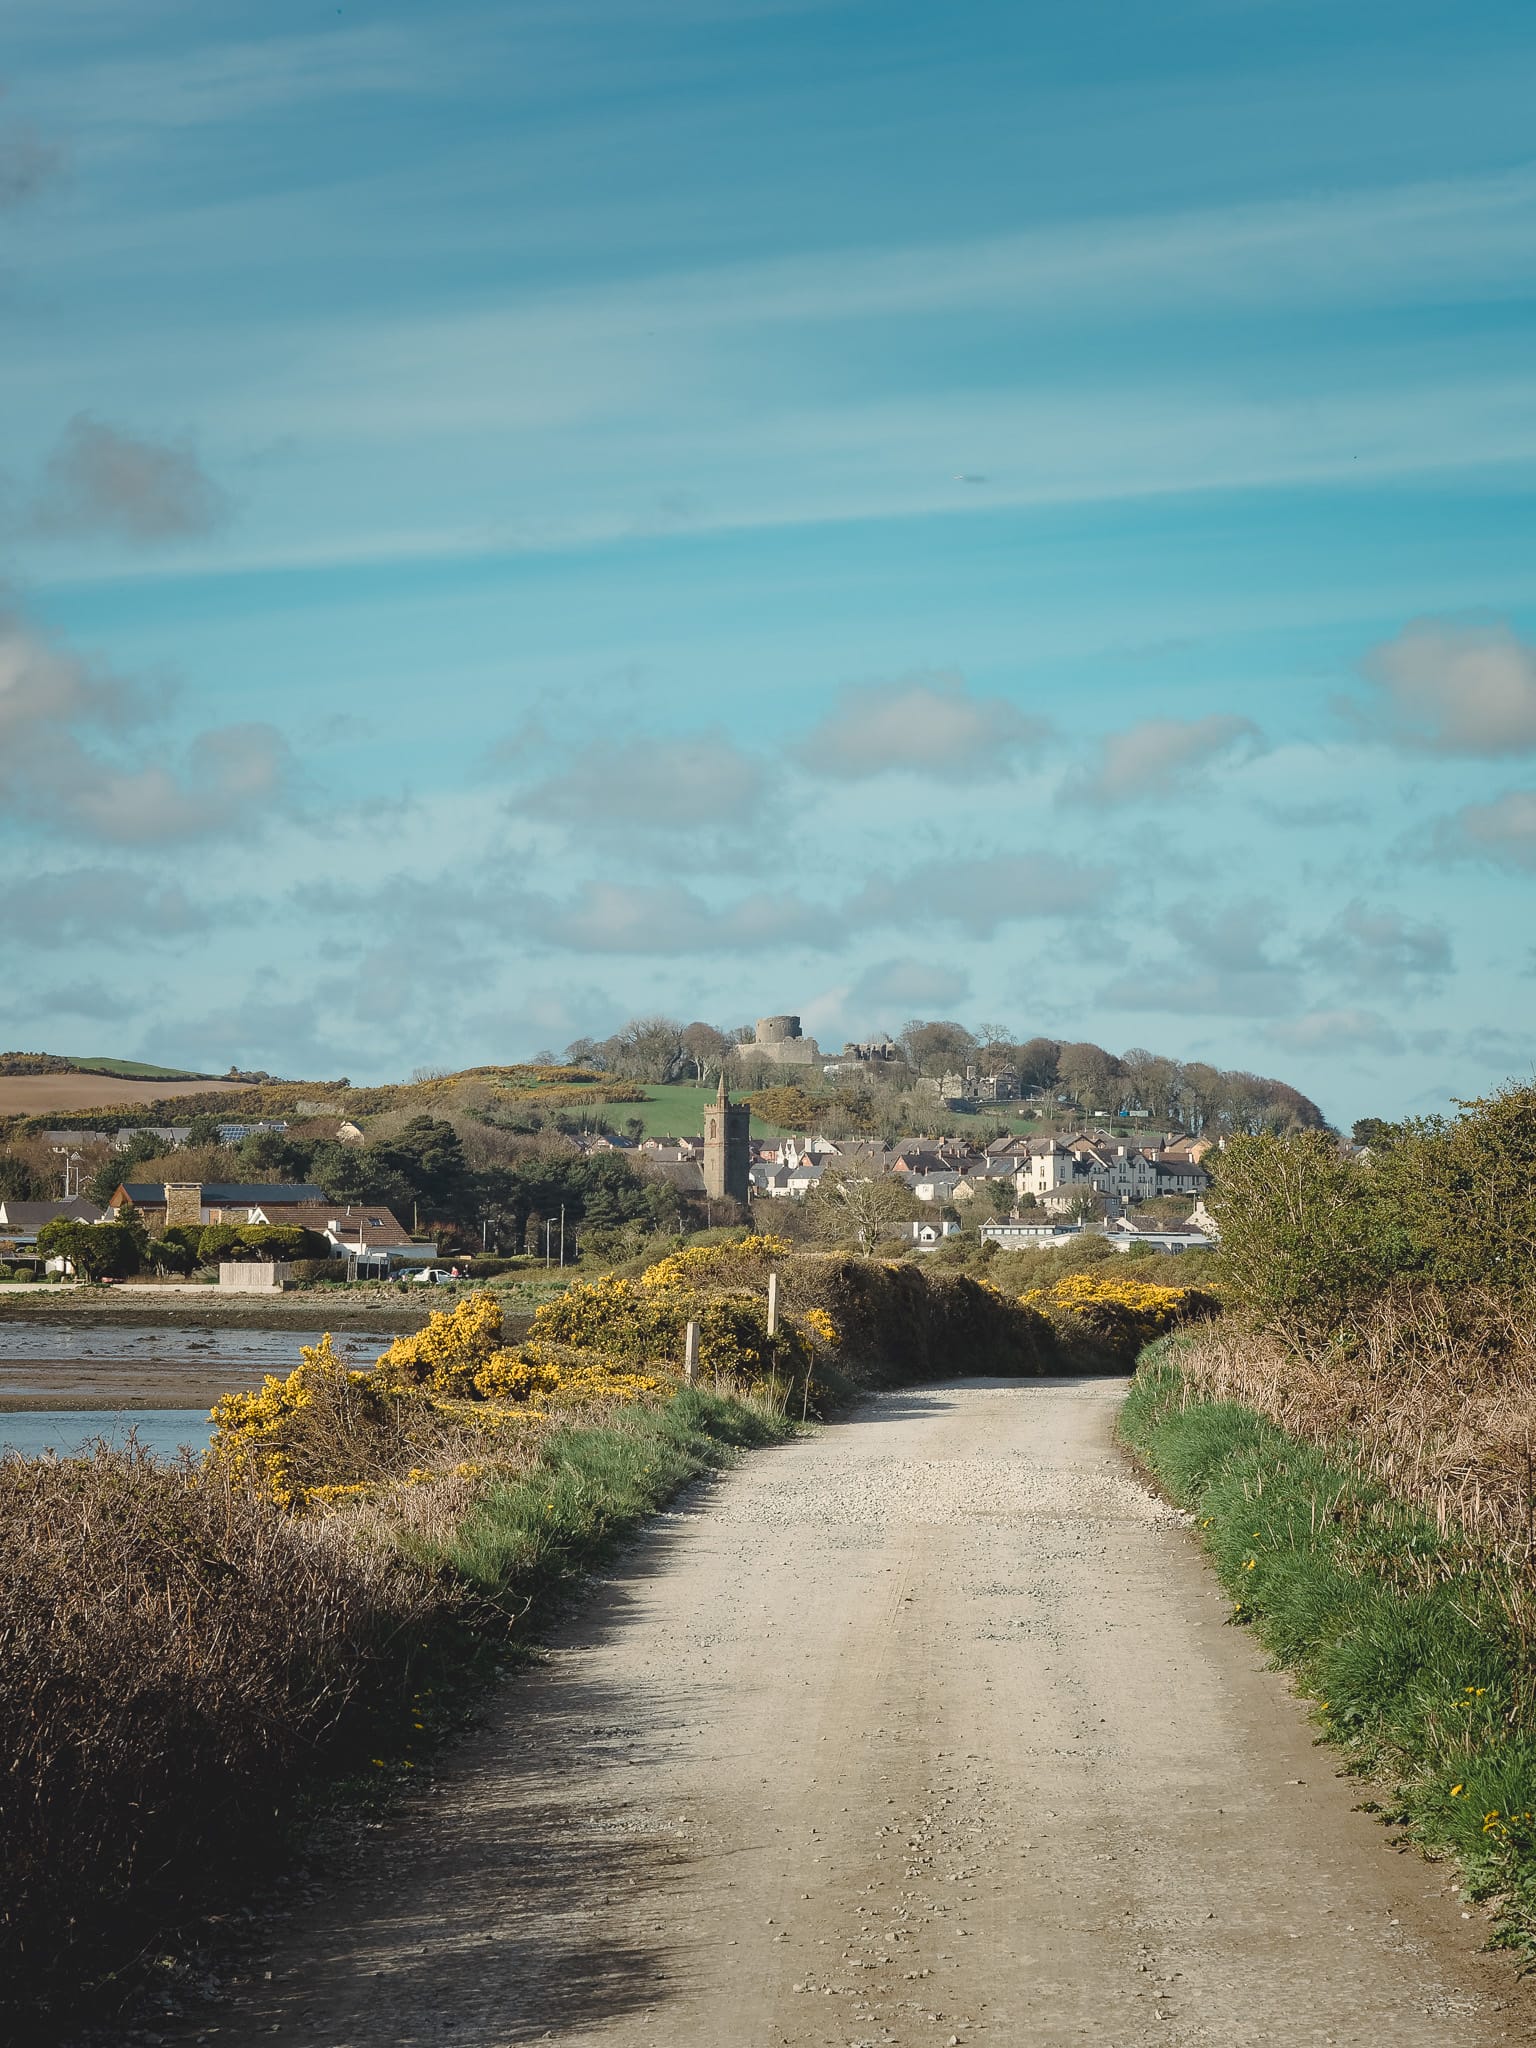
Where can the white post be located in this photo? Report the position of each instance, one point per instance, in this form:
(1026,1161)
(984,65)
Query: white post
(691,1354)
(773,1304)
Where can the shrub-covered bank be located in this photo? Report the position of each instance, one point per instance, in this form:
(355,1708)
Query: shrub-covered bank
(183,1650)
(180,1657)
(1406,1628)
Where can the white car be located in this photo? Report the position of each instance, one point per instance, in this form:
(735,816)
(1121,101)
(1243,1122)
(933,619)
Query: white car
(428,1276)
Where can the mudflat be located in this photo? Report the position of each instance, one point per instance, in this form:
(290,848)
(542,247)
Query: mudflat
(925,1730)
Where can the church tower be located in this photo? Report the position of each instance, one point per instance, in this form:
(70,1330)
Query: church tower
(727,1156)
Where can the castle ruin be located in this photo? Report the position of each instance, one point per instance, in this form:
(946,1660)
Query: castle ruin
(779,1040)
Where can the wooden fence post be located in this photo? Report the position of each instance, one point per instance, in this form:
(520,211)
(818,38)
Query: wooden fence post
(691,1354)
(773,1304)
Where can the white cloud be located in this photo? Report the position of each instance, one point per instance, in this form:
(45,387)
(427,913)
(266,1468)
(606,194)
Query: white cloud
(928,723)
(663,785)
(1161,758)
(980,895)
(1342,1031)
(103,480)
(74,753)
(666,918)
(909,986)
(1382,949)
(1502,831)
(1450,688)
(102,906)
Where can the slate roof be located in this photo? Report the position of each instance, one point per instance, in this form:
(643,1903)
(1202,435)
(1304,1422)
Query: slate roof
(150,1194)
(29,1216)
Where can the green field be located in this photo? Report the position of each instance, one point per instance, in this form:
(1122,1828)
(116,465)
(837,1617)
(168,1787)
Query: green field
(673,1111)
(137,1070)
(677,1111)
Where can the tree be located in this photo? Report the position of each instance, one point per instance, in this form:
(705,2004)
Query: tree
(1037,1060)
(1301,1236)
(1090,1075)
(789,1106)
(1374,1134)
(1463,1192)
(647,1049)
(933,1049)
(96,1251)
(845,1201)
(21,1182)
(428,1160)
(707,1050)
(634,1127)
(203,1131)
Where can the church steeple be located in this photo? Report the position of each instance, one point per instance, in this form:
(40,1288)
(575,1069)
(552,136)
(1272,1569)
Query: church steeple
(727,1150)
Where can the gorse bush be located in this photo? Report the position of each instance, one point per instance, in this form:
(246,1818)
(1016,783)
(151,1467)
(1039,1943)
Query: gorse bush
(1114,1314)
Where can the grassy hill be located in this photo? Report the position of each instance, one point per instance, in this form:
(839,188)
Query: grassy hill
(137,1070)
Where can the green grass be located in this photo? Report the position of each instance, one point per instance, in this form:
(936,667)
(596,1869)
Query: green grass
(527,1539)
(136,1070)
(668,1111)
(1396,1633)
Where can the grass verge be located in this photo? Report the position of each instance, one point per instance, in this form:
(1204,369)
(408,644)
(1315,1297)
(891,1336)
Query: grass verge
(1400,1633)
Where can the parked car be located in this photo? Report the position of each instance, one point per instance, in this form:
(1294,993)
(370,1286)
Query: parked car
(427,1276)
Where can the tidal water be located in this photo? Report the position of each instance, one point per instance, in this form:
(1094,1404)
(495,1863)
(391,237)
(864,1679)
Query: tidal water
(70,1432)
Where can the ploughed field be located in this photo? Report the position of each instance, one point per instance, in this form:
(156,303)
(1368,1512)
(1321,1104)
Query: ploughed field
(38,1094)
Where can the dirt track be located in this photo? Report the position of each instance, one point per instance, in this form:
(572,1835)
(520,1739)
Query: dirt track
(925,1731)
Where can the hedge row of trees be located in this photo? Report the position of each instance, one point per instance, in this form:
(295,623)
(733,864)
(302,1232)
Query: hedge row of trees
(1313,1233)
(118,1250)
(1191,1093)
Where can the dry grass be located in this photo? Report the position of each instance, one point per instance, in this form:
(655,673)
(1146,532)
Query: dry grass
(174,1656)
(1434,1400)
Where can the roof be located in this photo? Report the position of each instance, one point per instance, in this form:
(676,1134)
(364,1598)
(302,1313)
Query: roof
(150,1194)
(367,1222)
(33,1215)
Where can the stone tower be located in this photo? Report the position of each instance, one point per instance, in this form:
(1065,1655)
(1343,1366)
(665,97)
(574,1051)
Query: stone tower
(727,1156)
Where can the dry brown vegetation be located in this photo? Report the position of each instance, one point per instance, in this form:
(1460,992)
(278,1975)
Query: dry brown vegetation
(1432,1397)
(41,1094)
(171,1651)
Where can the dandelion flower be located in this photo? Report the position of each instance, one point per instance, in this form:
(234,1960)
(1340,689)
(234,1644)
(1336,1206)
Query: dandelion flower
(1457,1790)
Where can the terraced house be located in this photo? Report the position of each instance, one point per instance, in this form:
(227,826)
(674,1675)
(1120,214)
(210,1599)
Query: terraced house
(1058,1170)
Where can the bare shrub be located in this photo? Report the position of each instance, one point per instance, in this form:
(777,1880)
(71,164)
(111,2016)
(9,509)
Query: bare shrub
(174,1654)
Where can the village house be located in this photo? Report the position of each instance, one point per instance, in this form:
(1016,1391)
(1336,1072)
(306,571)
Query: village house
(165,1203)
(21,1221)
(1058,1170)
(366,1231)
(1125,1231)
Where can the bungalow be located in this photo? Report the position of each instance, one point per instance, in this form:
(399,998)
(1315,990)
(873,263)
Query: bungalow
(1013,1234)
(21,1221)
(164,1203)
(926,1237)
(1125,1231)
(367,1231)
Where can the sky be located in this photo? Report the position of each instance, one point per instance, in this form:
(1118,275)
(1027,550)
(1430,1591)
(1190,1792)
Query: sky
(514,516)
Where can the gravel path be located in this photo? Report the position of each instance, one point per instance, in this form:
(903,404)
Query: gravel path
(926,1730)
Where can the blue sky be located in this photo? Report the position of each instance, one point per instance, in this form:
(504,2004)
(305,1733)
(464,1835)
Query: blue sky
(515,516)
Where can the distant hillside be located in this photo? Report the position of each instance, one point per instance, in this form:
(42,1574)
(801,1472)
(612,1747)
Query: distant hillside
(66,1063)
